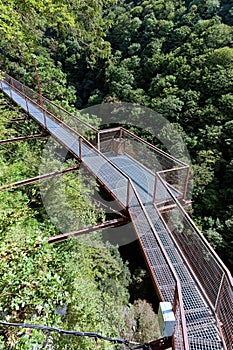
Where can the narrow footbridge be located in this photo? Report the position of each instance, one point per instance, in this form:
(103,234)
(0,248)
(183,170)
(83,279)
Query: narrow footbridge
(152,186)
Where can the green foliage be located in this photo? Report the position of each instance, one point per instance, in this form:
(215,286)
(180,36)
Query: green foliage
(146,322)
(184,71)
(172,56)
(207,8)
(37,279)
(109,270)
(79,284)
(140,287)
(221,57)
(22,21)
(212,233)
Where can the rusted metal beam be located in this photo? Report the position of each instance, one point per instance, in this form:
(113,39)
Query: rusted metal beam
(23,138)
(17,119)
(89,229)
(163,209)
(37,178)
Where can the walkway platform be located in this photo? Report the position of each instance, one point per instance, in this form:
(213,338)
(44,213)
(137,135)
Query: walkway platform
(133,186)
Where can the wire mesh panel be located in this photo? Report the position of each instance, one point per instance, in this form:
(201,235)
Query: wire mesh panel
(157,263)
(193,300)
(142,152)
(177,180)
(71,120)
(34,96)
(178,336)
(31,94)
(203,263)
(210,275)
(107,173)
(142,179)
(152,157)
(225,311)
(111,141)
(119,141)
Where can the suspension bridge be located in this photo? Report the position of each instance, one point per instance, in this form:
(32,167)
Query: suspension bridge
(151,186)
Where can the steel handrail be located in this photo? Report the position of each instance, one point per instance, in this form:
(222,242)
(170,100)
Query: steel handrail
(225,273)
(183,166)
(178,286)
(71,114)
(200,235)
(154,147)
(60,121)
(221,266)
(52,103)
(158,150)
(106,130)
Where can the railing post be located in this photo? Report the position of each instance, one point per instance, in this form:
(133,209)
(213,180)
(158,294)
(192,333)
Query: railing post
(11,85)
(155,188)
(44,115)
(60,113)
(121,133)
(80,147)
(26,100)
(128,194)
(175,299)
(39,90)
(186,183)
(98,141)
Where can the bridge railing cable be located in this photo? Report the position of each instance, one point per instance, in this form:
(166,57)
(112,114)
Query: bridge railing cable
(94,335)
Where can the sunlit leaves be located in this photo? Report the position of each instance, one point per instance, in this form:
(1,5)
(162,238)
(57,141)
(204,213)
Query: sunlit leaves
(221,57)
(184,71)
(28,19)
(85,278)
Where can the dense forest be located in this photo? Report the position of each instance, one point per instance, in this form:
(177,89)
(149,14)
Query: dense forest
(172,56)
(80,284)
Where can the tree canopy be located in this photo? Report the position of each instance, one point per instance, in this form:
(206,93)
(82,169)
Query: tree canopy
(173,56)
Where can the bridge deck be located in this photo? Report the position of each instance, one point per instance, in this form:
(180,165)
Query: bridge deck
(202,328)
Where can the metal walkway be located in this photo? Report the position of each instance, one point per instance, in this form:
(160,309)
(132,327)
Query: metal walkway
(184,268)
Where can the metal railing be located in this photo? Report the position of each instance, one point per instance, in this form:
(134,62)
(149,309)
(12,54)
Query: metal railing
(150,157)
(180,338)
(212,276)
(46,106)
(153,158)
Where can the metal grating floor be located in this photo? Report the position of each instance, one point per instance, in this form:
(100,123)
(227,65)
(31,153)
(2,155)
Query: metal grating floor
(142,178)
(202,329)
(201,322)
